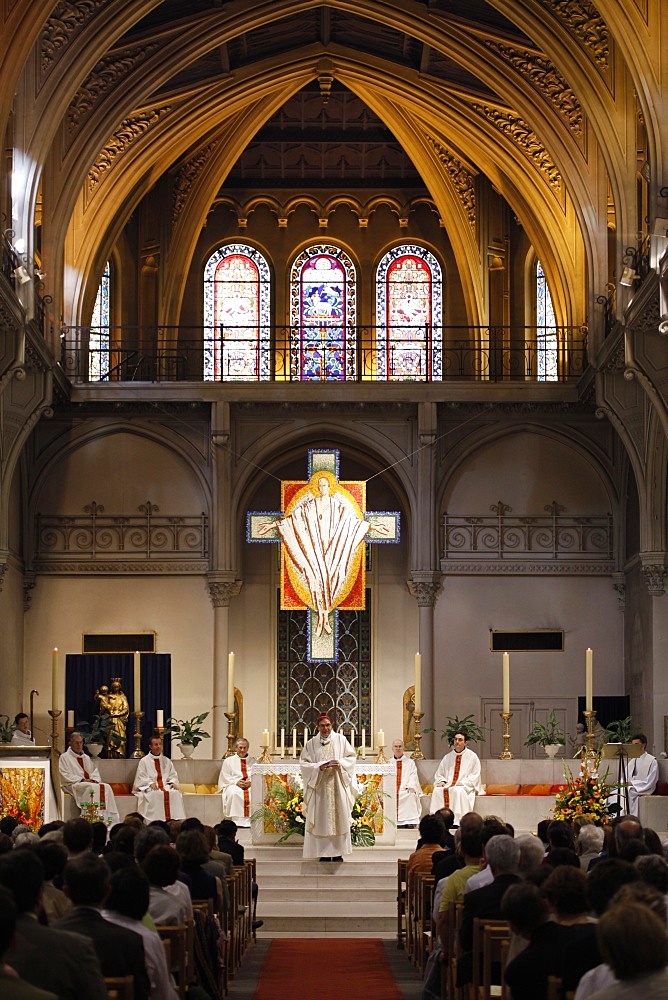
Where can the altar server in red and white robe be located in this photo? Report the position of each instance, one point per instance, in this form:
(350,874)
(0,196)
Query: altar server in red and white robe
(408,788)
(234,783)
(79,776)
(156,786)
(457,779)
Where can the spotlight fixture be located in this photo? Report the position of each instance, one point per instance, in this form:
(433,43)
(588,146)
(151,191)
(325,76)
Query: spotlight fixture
(628,277)
(21,274)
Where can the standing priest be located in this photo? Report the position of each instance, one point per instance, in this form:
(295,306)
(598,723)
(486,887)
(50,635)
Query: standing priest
(80,777)
(330,789)
(457,779)
(157,786)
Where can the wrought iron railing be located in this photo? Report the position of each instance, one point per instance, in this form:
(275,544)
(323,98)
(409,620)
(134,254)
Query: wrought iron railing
(553,535)
(328,353)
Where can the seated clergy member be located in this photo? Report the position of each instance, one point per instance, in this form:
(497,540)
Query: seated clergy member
(156,786)
(81,778)
(457,779)
(407,786)
(234,783)
(22,737)
(642,773)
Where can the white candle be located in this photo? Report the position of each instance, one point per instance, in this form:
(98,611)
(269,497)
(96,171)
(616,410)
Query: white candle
(381,738)
(265,737)
(70,719)
(363,747)
(160,718)
(506,683)
(417,698)
(137,665)
(305,735)
(54,680)
(282,742)
(352,738)
(230,683)
(589,681)
(294,743)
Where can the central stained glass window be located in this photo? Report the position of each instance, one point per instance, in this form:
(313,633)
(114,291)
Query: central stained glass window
(323,337)
(409,310)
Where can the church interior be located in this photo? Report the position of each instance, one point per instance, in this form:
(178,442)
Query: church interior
(427,238)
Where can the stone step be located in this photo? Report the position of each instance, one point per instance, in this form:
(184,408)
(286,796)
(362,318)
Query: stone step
(358,894)
(289,926)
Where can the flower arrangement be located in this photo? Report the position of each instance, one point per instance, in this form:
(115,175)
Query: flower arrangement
(585,795)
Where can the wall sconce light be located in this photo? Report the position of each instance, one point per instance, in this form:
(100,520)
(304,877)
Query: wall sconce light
(628,277)
(39,273)
(21,274)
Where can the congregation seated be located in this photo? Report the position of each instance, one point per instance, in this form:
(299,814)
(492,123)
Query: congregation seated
(54,901)
(161,867)
(12,986)
(194,854)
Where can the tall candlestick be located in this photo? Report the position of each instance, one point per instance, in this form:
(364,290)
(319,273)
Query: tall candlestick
(54,680)
(160,718)
(380,739)
(417,698)
(589,681)
(294,743)
(230,683)
(506,683)
(282,742)
(137,665)
(265,737)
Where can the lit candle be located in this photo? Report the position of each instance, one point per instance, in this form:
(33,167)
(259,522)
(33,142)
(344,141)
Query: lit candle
(54,680)
(352,737)
(160,718)
(230,683)
(381,738)
(294,743)
(137,682)
(506,684)
(589,681)
(282,742)
(417,698)
(70,719)
(305,735)
(265,738)
(363,747)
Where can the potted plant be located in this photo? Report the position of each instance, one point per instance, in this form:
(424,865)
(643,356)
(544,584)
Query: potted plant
(6,729)
(619,731)
(550,736)
(188,732)
(454,725)
(98,734)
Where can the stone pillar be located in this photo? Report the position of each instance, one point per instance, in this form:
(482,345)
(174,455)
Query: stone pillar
(425,587)
(221,592)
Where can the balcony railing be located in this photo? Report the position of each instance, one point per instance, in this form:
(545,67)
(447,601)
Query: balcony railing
(327,353)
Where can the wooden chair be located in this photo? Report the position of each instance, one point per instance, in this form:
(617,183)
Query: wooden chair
(210,949)
(455,915)
(401,902)
(424,901)
(487,938)
(177,935)
(120,987)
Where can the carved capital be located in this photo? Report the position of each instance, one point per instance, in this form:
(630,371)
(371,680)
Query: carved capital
(29,585)
(619,585)
(3,570)
(425,588)
(654,575)
(221,592)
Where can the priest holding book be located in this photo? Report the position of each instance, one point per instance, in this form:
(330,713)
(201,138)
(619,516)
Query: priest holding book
(330,789)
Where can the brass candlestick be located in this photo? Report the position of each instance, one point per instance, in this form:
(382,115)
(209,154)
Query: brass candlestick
(230,716)
(380,756)
(417,737)
(590,717)
(137,752)
(265,757)
(505,753)
(55,713)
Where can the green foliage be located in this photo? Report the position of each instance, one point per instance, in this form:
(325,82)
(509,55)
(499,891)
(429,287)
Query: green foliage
(454,725)
(546,735)
(619,731)
(188,731)
(7,728)
(100,730)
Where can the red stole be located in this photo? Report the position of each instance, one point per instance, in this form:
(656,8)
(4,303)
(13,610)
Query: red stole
(455,778)
(399,764)
(246,791)
(165,791)
(87,778)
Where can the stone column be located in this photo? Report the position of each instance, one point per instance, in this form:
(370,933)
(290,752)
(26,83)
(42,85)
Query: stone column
(425,588)
(221,592)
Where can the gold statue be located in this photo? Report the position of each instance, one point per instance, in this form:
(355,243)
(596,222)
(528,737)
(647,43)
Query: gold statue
(114,703)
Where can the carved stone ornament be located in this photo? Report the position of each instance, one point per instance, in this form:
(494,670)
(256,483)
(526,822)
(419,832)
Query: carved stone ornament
(515,128)
(3,570)
(188,175)
(619,585)
(102,80)
(221,593)
(654,576)
(461,179)
(125,136)
(586,24)
(424,591)
(66,21)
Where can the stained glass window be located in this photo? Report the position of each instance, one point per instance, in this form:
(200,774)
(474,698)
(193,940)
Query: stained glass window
(409,315)
(323,341)
(98,338)
(547,347)
(237,297)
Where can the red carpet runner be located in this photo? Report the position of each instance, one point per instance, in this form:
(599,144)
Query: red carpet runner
(345,968)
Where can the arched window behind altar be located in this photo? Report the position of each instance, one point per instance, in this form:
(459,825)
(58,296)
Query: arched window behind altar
(547,347)
(323,334)
(100,324)
(409,315)
(237,300)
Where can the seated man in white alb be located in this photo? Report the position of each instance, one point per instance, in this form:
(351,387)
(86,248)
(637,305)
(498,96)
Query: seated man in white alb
(457,779)
(642,773)
(234,783)
(407,785)
(22,737)
(156,785)
(80,777)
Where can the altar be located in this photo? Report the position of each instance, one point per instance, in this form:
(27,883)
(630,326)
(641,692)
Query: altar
(26,788)
(378,797)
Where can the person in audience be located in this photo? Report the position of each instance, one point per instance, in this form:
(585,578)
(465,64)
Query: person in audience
(605,879)
(99,832)
(155,835)
(127,904)
(234,784)
(444,863)
(407,786)
(653,871)
(80,777)
(22,737)
(589,844)
(122,839)
(216,854)
(161,867)
(77,837)
(64,963)
(457,778)
(193,852)
(532,853)
(634,944)
(526,910)
(566,894)
(12,987)
(560,834)
(156,785)
(561,856)
(431,829)
(490,828)
(54,901)
(119,951)
(228,843)
(470,847)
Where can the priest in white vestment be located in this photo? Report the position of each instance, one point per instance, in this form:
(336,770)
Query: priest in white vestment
(234,784)
(407,784)
(330,788)
(642,773)
(457,779)
(80,777)
(156,786)
(22,737)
